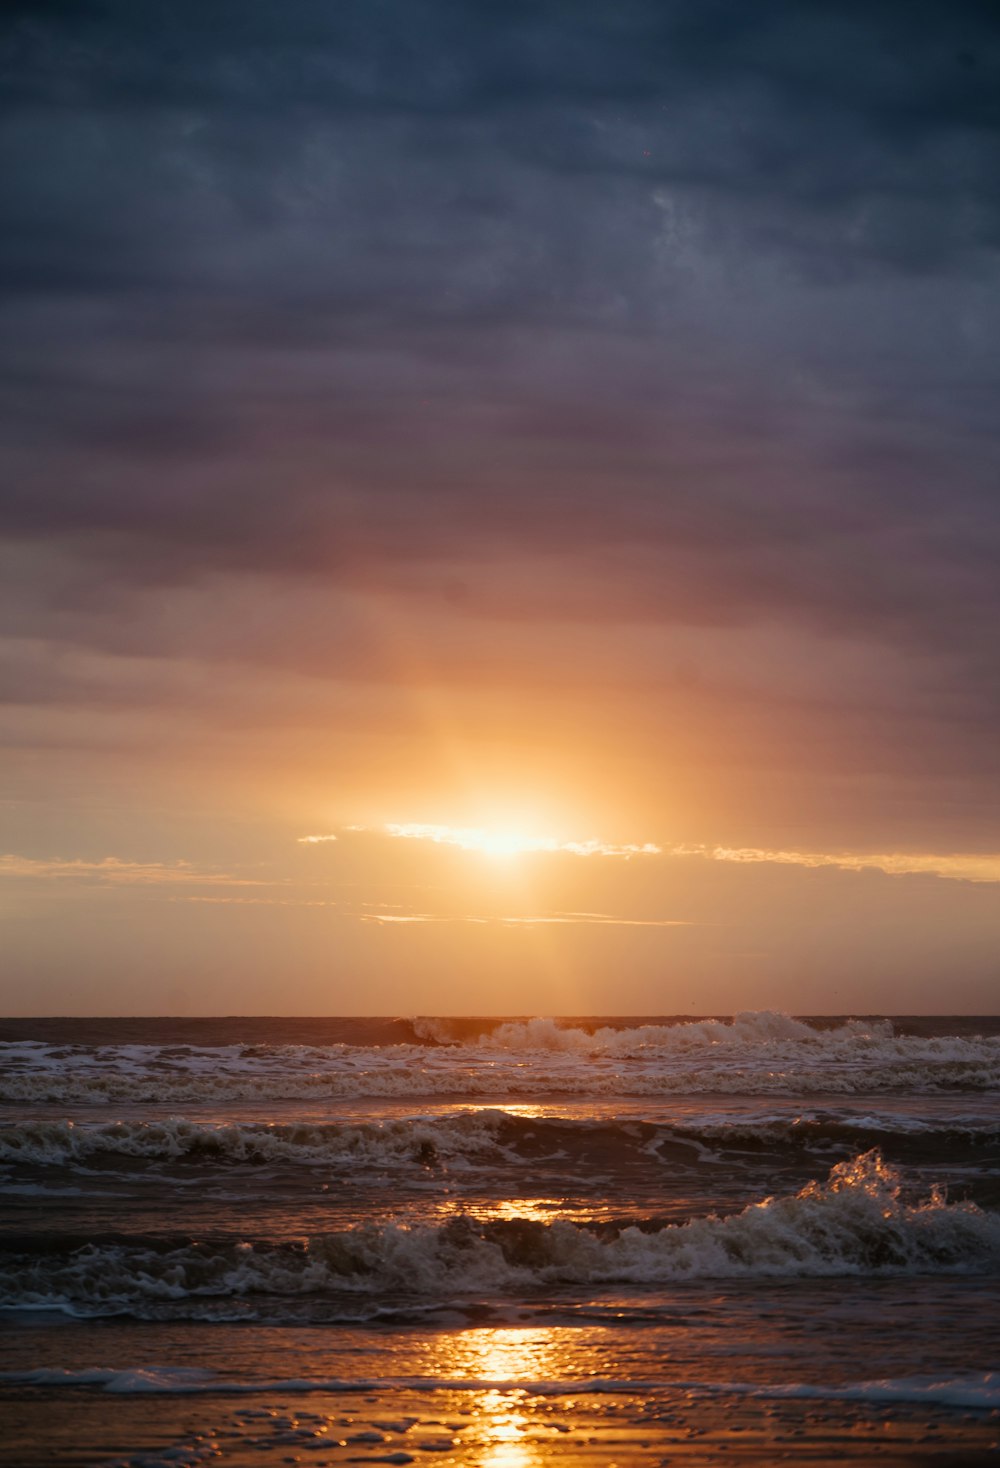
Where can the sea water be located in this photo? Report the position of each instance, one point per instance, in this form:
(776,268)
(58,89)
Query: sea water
(500,1242)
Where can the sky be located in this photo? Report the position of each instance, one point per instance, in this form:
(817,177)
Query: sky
(547,451)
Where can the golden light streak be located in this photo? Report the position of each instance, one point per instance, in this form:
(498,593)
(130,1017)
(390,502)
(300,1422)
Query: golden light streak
(959,867)
(492,842)
(512,843)
(111,869)
(954,866)
(510,1437)
(529,921)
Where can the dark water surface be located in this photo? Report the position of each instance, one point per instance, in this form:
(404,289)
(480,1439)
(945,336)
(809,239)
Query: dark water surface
(500,1242)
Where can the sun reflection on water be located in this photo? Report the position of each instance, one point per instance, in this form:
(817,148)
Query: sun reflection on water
(527,1110)
(538,1210)
(507,1354)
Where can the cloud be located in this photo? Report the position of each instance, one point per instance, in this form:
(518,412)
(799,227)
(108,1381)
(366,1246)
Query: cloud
(390,914)
(533,920)
(674,317)
(507,843)
(963,868)
(958,866)
(112,871)
(215,900)
(284,259)
(495,842)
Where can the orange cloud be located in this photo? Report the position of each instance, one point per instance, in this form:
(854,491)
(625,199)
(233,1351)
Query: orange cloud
(495,842)
(114,871)
(955,866)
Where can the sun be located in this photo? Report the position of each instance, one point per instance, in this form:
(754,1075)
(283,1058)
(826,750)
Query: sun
(506,843)
(486,840)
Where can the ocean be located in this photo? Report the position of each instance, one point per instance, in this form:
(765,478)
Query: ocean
(505,1243)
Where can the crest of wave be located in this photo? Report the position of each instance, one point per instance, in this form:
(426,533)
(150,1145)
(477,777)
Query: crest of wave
(749,1031)
(377,1144)
(856,1223)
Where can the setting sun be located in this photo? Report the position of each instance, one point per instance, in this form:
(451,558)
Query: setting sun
(501,842)
(475,838)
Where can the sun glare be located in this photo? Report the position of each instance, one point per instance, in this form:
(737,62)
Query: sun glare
(506,843)
(476,838)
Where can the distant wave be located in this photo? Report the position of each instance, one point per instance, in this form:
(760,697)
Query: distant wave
(755,1053)
(750,1027)
(857,1223)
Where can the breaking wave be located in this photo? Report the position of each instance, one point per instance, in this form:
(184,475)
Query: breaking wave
(754,1053)
(856,1223)
(452,1139)
(487,1137)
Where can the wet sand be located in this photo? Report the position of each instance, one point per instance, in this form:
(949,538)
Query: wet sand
(507,1428)
(474,1396)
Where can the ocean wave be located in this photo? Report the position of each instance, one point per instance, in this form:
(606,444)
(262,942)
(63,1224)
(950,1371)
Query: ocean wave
(979,1391)
(454,1140)
(976,1391)
(752,1028)
(857,1223)
(485,1138)
(754,1053)
(521,1081)
(750,1033)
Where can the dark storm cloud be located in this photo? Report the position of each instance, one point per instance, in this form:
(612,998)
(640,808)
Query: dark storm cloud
(699,296)
(141,139)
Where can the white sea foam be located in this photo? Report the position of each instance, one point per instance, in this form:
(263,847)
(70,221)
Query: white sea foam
(457,1139)
(751,1029)
(165,1380)
(152,1379)
(469,1139)
(975,1390)
(755,1053)
(978,1390)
